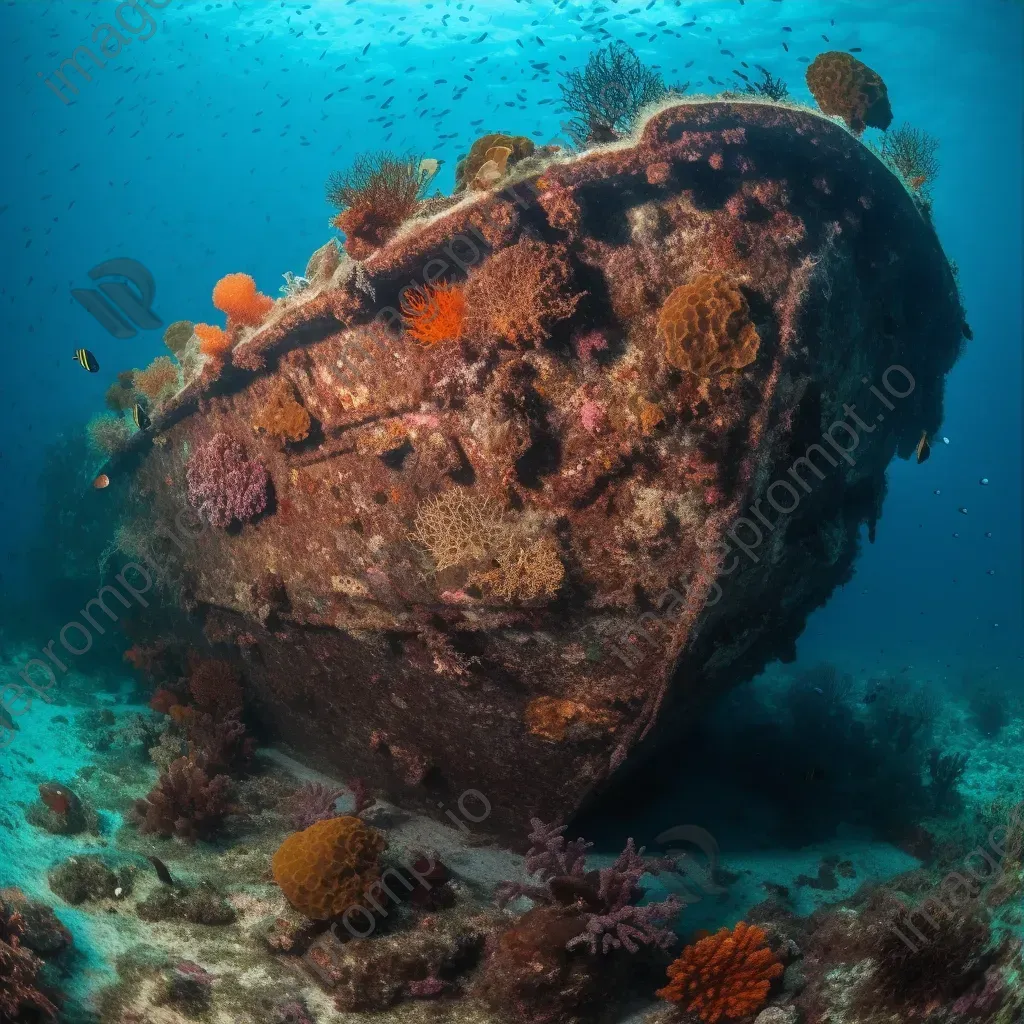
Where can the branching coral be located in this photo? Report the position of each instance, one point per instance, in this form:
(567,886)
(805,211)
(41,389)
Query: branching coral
(108,434)
(608,93)
(706,328)
(524,573)
(185,802)
(375,196)
(325,869)
(769,87)
(282,416)
(312,802)
(215,684)
(460,529)
(910,152)
(845,87)
(236,295)
(434,315)
(724,975)
(159,380)
(119,398)
(225,485)
(607,899)
(20,998)
(520,292)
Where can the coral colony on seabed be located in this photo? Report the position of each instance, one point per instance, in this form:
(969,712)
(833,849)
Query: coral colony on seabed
(475,515)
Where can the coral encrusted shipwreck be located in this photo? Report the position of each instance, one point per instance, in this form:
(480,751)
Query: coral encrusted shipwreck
(683,363)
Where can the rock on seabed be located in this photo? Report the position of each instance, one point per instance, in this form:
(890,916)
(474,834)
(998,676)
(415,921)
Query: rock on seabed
(638,475)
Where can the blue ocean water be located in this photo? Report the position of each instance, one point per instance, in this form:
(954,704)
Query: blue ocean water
(202,148)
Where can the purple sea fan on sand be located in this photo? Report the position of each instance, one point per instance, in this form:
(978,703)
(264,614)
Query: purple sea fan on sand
(607,898)
(224,484)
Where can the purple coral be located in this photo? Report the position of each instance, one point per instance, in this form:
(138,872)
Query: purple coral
(607,898)
(185,802)
(313,802)
(20,997)
(224,484)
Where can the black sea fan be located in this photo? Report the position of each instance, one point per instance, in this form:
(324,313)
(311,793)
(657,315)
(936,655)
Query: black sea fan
(769,87)
(608,93)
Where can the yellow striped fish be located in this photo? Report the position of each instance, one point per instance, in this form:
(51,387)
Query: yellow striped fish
(86,360)
(139,417)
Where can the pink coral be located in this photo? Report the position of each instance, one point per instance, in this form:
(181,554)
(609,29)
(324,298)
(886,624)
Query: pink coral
(225,485)
(589,343)
(593,416)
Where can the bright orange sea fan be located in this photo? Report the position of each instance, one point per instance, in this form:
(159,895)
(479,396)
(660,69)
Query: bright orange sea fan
(728,974)
(237,296)
(433,315)
(212,340)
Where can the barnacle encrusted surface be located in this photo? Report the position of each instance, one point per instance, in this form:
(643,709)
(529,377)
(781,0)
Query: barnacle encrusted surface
(480,538)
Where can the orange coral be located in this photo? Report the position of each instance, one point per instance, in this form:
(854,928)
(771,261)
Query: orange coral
(845,87)
(725,975)
(326,869)
(212,340)
(524,573)
(433,315)
(552,718)
(282,416)
(159,380)
(520,292)
(706,327)
(236,295)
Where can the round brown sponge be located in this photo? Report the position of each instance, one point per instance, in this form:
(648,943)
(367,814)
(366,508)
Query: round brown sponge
(846,88)
(326,869)
(706,327)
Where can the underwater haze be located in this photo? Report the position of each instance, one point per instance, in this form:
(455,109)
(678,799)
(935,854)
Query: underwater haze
(448,444)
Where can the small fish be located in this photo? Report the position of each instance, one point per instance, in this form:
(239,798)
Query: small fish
(101,481)
(161,870)
(6,722)
(86,360)
(139,417)
(923,449)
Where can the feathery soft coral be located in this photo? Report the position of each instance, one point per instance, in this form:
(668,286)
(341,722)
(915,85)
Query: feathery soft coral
(213,341)
(236,295)
(433,315)
(727,974)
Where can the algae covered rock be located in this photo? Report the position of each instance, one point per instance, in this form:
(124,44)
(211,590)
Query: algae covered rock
(643,497)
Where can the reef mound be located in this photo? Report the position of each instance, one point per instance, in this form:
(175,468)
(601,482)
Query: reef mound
(512,561)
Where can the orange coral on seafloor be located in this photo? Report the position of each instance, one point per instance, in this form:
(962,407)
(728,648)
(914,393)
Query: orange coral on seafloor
(159,380)
(845,87)
(706,328)
(724,975)
(212,340)
(520,292)
(282,416)
(326,869)
(236,295)
(433,315)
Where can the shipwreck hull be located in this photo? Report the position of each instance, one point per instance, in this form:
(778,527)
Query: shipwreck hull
(697,519)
